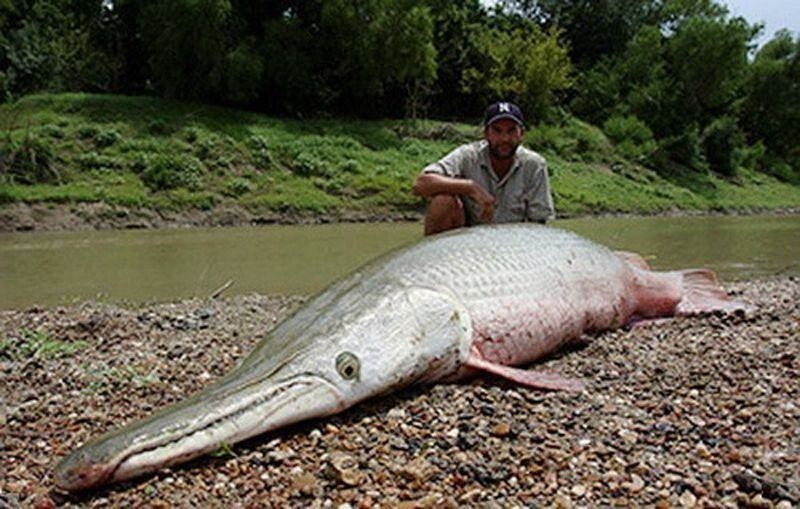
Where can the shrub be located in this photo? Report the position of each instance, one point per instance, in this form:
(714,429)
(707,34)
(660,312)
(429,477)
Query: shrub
(780,169)
(87,131)
(165,171)
(238,186)
(547,138)
(306,165)
(94,161)
(51,131)
(684,149)
(721,142)
(29,161)
(106,137)
(158,126)
(348,166)
(191,134)
(260,152)
(633,138)
(753,157)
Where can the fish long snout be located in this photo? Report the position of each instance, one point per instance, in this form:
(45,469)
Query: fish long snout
(219,415)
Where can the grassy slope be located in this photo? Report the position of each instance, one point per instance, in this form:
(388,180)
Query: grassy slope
(127,150)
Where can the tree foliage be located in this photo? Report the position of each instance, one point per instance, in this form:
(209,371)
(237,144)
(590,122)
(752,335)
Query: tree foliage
(669,80)
(528,66)
(771,111)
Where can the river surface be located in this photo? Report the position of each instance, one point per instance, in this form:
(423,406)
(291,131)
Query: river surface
(152,266)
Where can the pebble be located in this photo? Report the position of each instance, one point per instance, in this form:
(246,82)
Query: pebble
(687,499)
(579,490)
(636,485)
(501,430)
(645,437)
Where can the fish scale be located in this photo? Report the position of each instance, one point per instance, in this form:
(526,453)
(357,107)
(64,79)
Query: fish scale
(501,273)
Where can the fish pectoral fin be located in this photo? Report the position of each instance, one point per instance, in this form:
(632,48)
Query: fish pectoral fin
(534,379)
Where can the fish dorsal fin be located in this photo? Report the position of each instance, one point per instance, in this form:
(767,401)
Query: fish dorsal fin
(634,259)
(534,379)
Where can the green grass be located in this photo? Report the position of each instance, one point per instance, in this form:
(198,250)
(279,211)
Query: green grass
(105,378)
(166,155)
(30,344)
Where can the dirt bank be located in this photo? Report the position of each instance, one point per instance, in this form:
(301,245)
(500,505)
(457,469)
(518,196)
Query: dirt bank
(101,216)
(694,412)
(20,217)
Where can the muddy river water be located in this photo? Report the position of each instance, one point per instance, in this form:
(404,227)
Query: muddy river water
(161,265)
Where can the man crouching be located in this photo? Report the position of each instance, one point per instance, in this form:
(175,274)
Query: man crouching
(494,180)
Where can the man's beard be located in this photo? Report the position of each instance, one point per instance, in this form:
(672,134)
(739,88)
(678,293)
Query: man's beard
(497,154)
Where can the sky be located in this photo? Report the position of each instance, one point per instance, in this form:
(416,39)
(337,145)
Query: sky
(775,14)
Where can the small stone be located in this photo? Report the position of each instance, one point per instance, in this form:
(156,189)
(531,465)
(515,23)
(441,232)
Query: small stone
(278,456)
(344,468)
(629,436)
(636,485)
(733,456)
(758,502)
(305,483)
(396,413)
(579,490)
(417,470)
(687,499)
(563,502)
(702,451)
(784,504)
(44,503)
(501,430)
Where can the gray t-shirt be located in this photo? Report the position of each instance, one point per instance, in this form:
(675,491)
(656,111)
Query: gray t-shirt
(522,195)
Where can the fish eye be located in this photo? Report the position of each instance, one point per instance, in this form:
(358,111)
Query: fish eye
(347,365)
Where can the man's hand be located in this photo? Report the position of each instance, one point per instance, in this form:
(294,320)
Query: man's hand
(485,200)
(431,184)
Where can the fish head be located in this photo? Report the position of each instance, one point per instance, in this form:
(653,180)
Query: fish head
(317,363)
(412,335)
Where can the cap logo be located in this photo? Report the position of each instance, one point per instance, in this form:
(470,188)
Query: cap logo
(504,108)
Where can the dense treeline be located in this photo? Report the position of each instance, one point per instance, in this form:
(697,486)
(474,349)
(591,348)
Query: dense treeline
(672,82)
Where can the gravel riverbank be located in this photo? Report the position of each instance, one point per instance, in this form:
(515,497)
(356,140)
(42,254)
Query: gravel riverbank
(692,412)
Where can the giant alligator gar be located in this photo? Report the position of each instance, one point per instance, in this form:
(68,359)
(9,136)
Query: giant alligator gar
(478,299)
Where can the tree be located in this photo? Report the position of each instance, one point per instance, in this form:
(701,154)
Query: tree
(708,59)
(50,45)
(457,29)
(528,66)
(594,28)
(349,56)
(186,41)
(771,110)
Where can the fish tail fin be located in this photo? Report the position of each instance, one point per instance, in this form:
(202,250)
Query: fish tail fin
(702,293)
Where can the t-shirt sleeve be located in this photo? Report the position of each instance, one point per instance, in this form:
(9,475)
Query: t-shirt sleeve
(450,165)
(540,200)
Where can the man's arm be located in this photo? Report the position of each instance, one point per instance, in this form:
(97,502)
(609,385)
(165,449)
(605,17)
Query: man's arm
(428,185)
(540,200)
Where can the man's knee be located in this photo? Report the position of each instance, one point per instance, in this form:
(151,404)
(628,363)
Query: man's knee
(445,212)
(445,204)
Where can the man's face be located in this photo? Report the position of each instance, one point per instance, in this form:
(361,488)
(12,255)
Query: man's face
(504,136)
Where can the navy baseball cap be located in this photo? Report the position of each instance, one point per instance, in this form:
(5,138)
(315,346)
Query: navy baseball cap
(503,109)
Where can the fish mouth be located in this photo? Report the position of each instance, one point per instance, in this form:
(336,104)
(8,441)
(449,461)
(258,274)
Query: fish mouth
(213,418)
